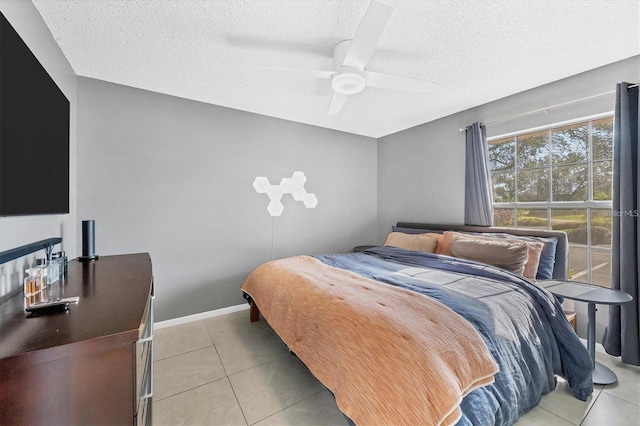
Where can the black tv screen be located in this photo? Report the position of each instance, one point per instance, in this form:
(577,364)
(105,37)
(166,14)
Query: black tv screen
(34,133)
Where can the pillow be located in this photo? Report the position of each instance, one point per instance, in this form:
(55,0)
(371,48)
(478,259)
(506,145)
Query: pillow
(428,232)
(445,247)
(417,242)
(533,259)
(547,259)
(547,256)
(533,253)
(506,254)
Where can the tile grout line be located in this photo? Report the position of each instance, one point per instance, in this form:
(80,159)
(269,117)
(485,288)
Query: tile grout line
(226,375)
(617,397)
(235,396)
(289,353)
(595,400)
(217,353)
(287,407)
(256,365)
(550,412)
(260,363)
(182,353)
(244,416)
(188,352)
(188,390)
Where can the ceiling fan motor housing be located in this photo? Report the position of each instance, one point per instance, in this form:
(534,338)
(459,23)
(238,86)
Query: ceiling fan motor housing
(347,80)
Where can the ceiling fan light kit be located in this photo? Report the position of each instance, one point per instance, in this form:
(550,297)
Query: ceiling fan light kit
(348,81)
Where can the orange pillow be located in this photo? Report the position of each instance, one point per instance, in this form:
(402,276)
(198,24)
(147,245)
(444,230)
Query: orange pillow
(417,242)
(533,261)
(445,247)
(440,238)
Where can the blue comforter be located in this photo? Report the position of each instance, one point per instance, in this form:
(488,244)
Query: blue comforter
(523,326)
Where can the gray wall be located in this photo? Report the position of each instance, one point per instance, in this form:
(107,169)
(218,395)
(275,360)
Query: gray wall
(21,230)
(421,170)
(173,177)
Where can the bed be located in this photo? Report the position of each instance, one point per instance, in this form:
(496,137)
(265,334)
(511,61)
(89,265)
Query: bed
(442,325)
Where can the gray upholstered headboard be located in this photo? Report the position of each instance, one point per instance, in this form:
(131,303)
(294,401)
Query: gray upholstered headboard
(562,249)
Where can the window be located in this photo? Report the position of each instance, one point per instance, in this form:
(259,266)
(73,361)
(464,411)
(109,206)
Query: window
(560,178)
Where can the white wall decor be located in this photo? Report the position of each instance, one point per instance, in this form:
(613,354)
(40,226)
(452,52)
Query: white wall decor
(293,185)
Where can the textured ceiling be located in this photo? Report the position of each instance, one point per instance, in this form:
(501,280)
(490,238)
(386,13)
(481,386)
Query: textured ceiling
(210,51)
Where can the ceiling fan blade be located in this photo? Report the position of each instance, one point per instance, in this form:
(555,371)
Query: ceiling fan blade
(394,82)
(367,36)
(299,71)
(337,101)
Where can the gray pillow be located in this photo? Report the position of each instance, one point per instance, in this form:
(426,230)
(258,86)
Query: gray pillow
(510,255)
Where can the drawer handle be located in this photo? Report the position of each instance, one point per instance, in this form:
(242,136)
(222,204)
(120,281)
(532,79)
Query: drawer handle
(146,339)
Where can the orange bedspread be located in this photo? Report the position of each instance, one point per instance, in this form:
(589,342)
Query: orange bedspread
(389,355)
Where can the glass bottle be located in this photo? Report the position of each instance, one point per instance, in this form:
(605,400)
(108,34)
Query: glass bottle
(33,281)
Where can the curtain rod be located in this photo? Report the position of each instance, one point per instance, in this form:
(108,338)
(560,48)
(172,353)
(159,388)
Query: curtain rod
(546,109)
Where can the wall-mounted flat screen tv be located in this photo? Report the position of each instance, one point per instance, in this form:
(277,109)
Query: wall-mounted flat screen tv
(34,133)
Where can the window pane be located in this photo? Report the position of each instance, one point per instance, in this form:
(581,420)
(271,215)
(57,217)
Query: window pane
(602,139)
(601,267)
(533,218)
(504,187)
(601,228)
(533,150)
(503,217)
(571,183)
(570,144)
(578,264)
(603,180)
(571,221)
(533,185)
(502,154)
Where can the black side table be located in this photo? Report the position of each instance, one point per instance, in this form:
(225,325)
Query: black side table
(593,295)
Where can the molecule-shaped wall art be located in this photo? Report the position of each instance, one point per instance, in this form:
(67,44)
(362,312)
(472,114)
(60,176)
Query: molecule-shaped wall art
(293,185)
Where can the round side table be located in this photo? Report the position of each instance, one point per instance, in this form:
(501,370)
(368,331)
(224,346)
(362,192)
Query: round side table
(593,295)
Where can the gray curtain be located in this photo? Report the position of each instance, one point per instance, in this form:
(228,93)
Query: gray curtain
(478,200)
(622,336)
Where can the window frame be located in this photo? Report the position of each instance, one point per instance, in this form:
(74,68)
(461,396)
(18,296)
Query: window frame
(549,205)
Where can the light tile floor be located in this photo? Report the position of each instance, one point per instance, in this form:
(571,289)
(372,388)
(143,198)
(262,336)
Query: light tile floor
(228,371)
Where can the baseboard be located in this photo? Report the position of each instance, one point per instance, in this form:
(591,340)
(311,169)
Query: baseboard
(203,315)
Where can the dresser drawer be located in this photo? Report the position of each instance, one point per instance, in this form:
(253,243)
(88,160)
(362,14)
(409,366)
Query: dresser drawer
(144,360)
(144,365)
(144,417)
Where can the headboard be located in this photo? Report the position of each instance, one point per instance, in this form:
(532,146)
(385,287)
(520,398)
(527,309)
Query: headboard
(562,249)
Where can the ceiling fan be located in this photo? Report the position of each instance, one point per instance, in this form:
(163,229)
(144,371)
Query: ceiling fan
(350,58)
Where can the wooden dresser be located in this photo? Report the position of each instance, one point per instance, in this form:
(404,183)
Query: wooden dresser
(89,365)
